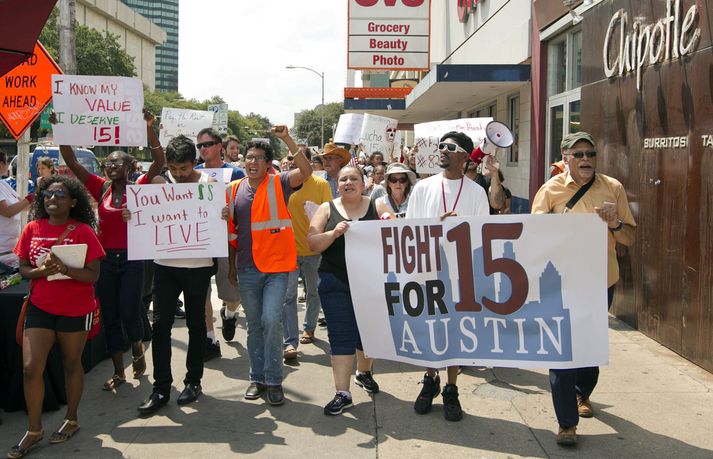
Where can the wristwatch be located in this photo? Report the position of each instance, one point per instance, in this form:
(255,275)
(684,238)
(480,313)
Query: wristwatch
(618,227)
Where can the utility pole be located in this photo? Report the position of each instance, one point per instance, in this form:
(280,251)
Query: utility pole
(67,29)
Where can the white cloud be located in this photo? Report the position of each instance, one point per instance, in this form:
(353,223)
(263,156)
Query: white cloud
(238,49)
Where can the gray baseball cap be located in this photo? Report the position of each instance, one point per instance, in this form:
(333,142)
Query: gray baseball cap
(570,139)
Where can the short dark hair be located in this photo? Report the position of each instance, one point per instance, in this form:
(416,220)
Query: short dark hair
(3,157)
(127,158)
(181,149)
(317,159)
(371,156)
(264,146)
(463,141)
(211,132)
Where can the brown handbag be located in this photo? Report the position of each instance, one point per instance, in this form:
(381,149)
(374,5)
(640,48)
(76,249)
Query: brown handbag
(20,327)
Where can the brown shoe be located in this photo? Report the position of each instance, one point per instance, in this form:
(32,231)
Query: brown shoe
(584,407)
(567,436)
(290,353)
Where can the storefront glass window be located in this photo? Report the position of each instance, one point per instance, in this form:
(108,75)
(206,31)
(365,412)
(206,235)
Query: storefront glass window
(557,68)
(575,74)
(556,132)
(514,122)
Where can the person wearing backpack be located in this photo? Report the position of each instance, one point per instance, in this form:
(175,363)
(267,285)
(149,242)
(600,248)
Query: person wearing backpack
(580,189)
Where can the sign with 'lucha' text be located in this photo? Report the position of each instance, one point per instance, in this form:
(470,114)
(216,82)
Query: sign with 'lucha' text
(505,290)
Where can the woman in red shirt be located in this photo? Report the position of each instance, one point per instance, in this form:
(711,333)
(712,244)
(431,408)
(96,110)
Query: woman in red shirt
(120,282)
(59,310)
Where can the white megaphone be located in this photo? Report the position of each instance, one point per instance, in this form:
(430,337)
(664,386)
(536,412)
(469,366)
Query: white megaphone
(497,135)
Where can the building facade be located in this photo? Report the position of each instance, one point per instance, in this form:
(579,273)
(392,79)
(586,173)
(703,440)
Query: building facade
(137,35)
(163,13)
(637,75)
(476,70)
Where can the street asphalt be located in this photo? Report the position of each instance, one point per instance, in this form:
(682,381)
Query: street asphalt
(650,403)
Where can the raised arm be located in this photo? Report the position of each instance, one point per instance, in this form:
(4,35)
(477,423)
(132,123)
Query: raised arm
(304,168)
(157,155)
(70,158)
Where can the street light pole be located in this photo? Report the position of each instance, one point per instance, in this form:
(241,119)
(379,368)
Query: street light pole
(321,75)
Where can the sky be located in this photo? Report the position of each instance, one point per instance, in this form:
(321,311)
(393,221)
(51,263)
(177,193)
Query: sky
(238,49)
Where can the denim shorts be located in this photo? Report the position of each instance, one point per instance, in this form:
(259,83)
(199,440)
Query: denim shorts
(339,311)
(37,318)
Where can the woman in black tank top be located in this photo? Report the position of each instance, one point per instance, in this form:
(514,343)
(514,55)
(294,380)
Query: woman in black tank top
(326,235)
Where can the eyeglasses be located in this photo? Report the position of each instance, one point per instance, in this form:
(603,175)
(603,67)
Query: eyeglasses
(450,147)
(582,154)
(58,194)
(401,180)
(249,159)
(109,164)
(206,144)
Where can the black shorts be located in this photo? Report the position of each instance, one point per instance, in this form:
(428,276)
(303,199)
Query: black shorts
(37,318)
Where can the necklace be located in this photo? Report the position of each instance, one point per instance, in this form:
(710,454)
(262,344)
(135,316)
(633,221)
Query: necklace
(443,192)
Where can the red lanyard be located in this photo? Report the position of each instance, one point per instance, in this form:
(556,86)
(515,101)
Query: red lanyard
(443,192)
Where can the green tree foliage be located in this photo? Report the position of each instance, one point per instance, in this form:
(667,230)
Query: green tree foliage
(308,123)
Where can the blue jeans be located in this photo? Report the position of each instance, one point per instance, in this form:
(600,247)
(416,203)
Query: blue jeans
(120,300)
(568,383)
(263,295)
(308,266)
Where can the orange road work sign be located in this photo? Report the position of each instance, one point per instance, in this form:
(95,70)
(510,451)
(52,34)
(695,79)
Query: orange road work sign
(26,90)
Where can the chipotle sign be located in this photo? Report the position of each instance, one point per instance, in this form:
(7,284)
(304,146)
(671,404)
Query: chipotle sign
(630,44)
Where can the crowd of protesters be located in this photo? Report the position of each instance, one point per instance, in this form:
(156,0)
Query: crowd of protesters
(286,221)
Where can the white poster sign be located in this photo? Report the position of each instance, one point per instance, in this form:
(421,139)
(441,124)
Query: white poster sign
(176,220)
(349,128)
(179,121)
(427,136)
(378,134)
(220,174)
(389,35)
(505,291)
(98,110)
(220,118)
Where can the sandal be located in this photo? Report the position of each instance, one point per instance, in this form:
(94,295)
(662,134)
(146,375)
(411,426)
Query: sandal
(113,383)
(65,432)
(139,366)
(18,450)
(307,337)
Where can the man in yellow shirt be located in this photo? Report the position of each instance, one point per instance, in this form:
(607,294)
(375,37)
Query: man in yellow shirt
(302,204)
(605,196)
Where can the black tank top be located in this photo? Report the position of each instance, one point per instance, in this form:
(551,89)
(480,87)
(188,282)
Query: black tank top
(333,260)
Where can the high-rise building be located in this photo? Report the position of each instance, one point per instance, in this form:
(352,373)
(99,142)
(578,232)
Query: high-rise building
(163,13)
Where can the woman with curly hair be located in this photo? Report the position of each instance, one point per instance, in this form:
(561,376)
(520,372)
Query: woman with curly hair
(119,286)
(59,310)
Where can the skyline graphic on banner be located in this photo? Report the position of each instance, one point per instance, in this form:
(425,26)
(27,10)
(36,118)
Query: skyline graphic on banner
(539,329)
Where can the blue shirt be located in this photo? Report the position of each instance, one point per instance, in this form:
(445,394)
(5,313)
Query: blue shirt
(238,172)
(13,184)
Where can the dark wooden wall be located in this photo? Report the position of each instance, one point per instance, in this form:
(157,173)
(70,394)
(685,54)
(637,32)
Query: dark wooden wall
(666,288)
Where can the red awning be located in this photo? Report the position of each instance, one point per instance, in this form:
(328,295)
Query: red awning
(22,22)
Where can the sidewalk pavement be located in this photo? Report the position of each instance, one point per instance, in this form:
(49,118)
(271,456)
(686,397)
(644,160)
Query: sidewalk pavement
(649,403)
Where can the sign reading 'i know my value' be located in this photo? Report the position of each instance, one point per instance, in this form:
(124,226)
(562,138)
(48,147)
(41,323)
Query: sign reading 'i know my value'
(389,34)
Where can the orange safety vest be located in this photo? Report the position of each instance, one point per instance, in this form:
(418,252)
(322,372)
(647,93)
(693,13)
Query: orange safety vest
(274,248)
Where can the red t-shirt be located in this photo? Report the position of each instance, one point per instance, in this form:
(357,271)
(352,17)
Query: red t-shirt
(66,297)
(112,227)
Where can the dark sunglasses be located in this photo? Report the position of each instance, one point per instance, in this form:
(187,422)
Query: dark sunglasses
(402,180)
(450,147)
(206,144)
(59,194)
(109,164)
(582,154)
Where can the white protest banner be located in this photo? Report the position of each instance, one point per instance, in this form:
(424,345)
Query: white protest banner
(348,128)
(98,110)
(505,291)
(220,117)
(389,34)
(220,174)
(179,121)
(378,134)
(427,136)
(176,220)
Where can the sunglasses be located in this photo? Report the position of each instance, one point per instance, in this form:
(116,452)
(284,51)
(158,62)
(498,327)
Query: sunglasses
(582,154)
(49,194)
(401,180)
(450,147)
(206,144)
(109,164)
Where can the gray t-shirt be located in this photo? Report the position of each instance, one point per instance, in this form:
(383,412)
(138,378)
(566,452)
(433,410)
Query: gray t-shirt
(243,205)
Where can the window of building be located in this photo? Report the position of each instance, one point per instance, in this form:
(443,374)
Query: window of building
(564,81)
(514,123)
